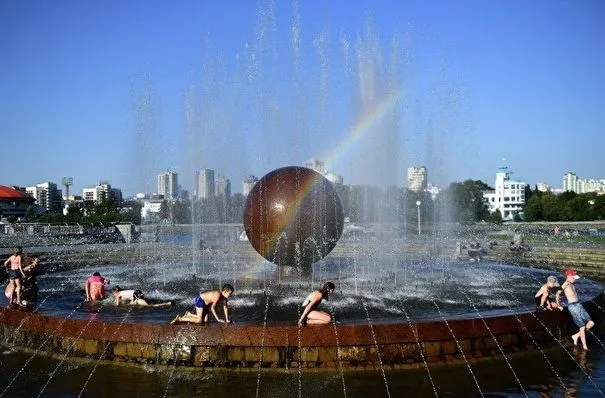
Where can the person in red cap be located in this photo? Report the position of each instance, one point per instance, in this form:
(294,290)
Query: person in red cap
(576,310)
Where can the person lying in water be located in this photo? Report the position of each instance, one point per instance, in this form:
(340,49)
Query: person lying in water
(205,303)
(310,315)
(134,297)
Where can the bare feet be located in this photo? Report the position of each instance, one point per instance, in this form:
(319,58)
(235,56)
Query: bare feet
(575,339)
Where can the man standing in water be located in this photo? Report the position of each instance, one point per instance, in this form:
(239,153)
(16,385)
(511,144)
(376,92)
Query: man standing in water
(576,310)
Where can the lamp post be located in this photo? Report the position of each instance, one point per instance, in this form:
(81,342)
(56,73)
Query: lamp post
(418,203)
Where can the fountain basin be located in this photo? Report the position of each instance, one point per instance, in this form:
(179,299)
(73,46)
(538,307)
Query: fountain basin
(280,345)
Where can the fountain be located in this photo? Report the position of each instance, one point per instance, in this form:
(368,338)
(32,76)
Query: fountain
(293,217)
(402,302)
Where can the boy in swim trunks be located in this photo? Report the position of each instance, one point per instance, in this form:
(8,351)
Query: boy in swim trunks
(14,268)
(206,302)
(576,310)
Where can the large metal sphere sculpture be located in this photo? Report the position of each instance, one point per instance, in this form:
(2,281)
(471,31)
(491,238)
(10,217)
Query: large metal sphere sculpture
(293,216)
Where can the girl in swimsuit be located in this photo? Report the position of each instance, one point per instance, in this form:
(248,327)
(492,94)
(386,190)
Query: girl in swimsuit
(310,315)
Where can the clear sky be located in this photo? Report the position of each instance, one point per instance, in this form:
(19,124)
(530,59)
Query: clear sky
(123,90)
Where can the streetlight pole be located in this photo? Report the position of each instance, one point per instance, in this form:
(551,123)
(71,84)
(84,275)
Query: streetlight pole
(418,203)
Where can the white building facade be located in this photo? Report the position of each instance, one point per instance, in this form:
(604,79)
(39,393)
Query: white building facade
(223,187)
(417,178)
(248,183)
(572,183)
(102,191)
(168,185)
(47,196)
(508,197)
(205,187)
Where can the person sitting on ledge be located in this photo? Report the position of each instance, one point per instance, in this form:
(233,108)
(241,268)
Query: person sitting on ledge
(310,315)
(576,309)
(545,296)
(206,302)
(134,297)
(95,287)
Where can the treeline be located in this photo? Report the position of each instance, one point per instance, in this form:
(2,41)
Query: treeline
(567,206)
(90,212)
(460,202)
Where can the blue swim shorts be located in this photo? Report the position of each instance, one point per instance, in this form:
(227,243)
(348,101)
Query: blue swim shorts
(198,302)
(578,314)
(14,274)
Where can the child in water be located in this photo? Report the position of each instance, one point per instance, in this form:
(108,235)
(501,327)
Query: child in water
(14,268)
(206,302)
(310,315)
(576,309)
(134,297)
(545,296)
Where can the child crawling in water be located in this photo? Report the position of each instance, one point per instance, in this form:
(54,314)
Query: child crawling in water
(205,303)
(134,297)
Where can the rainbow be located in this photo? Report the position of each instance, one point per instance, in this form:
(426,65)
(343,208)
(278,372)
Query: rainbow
(372,116)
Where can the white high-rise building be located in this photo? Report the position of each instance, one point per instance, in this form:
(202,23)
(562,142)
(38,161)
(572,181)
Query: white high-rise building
(509,196)
(205,187)
(248,183)
(102,191)
(543,187)
(417,178)
(168,185)
(47,196)
(223,187)
(572,183)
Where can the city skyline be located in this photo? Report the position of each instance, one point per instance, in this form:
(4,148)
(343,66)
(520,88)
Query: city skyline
(112,91)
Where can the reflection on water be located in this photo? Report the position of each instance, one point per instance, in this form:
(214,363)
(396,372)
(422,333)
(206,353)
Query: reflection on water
(494,378)
(388,293)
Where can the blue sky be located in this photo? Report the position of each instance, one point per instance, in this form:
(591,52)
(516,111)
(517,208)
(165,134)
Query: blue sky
(121,91)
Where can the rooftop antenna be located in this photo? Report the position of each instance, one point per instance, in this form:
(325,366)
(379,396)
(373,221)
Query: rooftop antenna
(67,182)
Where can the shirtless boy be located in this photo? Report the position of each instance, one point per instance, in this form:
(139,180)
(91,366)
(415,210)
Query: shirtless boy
(545,296)
(577,311)
(134,297)
(206,302)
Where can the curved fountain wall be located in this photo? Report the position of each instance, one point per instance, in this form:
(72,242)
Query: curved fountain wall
(280,345)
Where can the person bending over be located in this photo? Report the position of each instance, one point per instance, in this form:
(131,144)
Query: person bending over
(205,303)
(95,287)
(310,315)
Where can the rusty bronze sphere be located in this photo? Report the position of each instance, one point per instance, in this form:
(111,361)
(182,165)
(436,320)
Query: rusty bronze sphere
(293,216)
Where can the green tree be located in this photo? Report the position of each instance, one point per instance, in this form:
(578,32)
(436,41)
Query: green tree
(495,217)
(533,208)
(550,207)
(30,213)
(164,212)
